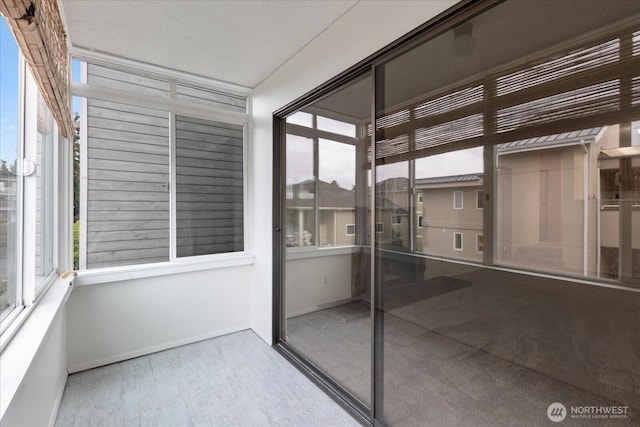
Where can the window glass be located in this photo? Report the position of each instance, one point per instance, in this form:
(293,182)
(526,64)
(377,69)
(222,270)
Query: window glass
(209,187)
(44,192)
(457,199)
(9,182)
(128,185)
(301,119)
(301,184)
(336,126)
(337,196)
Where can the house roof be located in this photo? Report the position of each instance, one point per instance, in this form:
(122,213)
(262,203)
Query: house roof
(470,177)
(550,141)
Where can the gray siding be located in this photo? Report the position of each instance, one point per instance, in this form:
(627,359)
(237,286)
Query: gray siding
(128,176)
(209,180)
(211,98)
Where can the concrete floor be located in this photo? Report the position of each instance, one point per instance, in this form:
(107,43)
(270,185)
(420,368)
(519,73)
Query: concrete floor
(233,380)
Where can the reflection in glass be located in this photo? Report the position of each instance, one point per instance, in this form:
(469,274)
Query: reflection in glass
(328,260)
(452,332)
(9,182)
(44,192)
(301,190)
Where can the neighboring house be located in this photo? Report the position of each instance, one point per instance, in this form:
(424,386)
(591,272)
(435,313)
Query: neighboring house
(452,216)
(558,206)
(336,212)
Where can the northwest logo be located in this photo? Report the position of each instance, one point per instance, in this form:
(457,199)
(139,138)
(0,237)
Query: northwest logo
(556,412)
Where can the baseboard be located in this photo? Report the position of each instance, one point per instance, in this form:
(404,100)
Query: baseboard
(153,349)
(58,401)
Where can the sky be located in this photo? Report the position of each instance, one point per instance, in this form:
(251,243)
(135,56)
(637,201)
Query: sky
(8,94)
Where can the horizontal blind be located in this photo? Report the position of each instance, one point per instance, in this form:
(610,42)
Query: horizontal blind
(595,84)
(209,187)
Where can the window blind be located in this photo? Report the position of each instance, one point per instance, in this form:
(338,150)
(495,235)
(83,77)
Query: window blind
(594,83)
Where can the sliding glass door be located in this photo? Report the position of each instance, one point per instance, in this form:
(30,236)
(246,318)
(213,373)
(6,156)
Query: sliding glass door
(473,257)
(327,292)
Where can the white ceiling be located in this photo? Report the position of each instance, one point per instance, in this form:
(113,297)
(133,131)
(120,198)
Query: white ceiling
(239,42)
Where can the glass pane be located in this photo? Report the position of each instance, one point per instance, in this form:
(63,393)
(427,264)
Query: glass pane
(327,286)
(451,331)
(209,187)
(336,126)
(337,195)
(44,193)
(301,191)
(301,119)
(127,152)
(9,182)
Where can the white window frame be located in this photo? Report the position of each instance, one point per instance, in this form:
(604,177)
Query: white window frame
(347,230)
(173,107)
(461,248)
(461,193)
(30,290)
(379,227)
(478,237)
(396,219)
(478,198)
(420,221)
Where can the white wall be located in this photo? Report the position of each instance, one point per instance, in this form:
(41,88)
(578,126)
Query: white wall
(36,401)
(364,29)
(111,322)
(308,292)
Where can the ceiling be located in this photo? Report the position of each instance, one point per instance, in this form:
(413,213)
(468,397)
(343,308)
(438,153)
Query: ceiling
(239,42)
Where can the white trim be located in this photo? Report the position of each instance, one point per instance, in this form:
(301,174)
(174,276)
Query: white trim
(461,200)
(306,252)
(181,265)
(29,190)
(183,108)
(18,355)
(396,219)
(381,224)
(156,71)
(57,401)
(84,174)
(508,269)
(172,185)
(154,349)
(461,248)
(420,221)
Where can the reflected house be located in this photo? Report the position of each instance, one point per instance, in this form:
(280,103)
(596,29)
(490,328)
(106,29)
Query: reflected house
(336,225)
(452,216)
(392,216)
(558,206)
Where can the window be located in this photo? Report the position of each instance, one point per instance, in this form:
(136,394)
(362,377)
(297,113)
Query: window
(419,197)
(31,154)
(457,200)
(379,227)
(479,243)
(209,187)
(420,221)
(10,182)
(160,184)
(396,219)
(480,199)
(457,241)
(318,208)
(351,229)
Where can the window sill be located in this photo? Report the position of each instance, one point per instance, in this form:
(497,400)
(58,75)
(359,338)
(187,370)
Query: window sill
(20,350)
(314,251)
(116,274)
